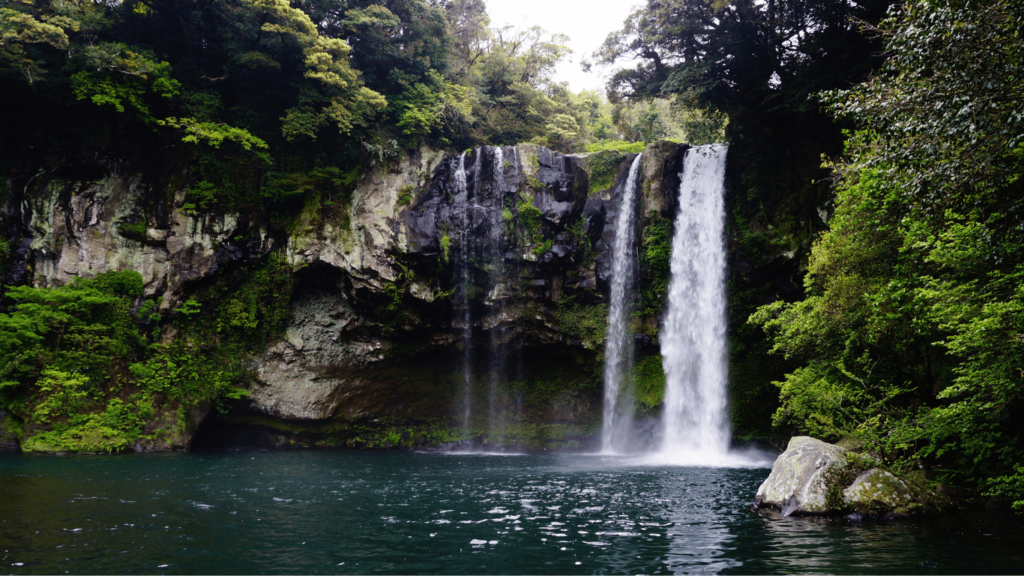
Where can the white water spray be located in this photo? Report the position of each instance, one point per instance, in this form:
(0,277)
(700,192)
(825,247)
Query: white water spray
(617,350)
(693,336)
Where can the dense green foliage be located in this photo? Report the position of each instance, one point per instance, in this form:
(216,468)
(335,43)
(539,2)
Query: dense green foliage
(910,338)
(752,71)
(94,366)
(604,167)
(584,322)
(259,97)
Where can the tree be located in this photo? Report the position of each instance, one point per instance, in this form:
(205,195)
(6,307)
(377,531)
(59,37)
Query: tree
(514,82)
(21,29)
(911,336)
(759,63)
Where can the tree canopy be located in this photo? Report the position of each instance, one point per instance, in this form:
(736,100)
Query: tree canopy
(910,337)
(256,91)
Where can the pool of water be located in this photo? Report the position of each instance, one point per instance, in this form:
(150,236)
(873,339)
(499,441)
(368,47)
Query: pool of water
(399,512)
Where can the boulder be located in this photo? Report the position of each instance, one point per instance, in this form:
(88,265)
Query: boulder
(878,490)
(799,481)
(817,478)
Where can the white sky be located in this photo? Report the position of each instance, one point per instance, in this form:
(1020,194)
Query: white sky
(586,22)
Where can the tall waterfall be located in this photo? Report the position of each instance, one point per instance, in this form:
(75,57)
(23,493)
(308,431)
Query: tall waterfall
(618,345)
(693,336)
(496,297)
(462,291)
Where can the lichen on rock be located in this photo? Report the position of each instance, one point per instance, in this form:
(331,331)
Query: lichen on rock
(878,490)
(374,330)
(817,478)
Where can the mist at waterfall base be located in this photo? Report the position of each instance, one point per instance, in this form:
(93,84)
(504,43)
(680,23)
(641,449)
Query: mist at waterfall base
(336,511)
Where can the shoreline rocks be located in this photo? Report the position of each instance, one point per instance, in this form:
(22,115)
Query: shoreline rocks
(815,478)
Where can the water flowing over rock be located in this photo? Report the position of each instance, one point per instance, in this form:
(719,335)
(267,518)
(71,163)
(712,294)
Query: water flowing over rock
(693,334)
(503,361)
(442,288)
(462,287)
(618,405)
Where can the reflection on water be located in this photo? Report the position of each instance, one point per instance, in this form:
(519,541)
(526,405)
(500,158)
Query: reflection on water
(345,512)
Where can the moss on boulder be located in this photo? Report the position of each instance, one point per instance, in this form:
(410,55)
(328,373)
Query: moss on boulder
(817,478)
(878,490)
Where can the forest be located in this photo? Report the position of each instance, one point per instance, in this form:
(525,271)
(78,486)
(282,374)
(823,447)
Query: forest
(875,217)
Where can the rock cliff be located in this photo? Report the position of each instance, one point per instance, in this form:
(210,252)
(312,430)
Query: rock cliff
(462,289)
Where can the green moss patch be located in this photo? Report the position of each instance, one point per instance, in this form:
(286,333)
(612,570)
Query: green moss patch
(586,322)
(649,376)
(604,167)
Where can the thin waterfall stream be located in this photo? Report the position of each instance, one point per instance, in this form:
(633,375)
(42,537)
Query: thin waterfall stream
(618,345)
(462,292)
(693,349)
(496,297)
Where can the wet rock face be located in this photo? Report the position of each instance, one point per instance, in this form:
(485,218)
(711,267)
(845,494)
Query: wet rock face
(817,478)
(504,233)
(309,373)
(495,235)
(466,194)
(65,229)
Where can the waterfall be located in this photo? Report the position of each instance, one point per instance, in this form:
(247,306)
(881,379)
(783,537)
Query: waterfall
(496,298)
(696,430)
(618,345)
(462,293)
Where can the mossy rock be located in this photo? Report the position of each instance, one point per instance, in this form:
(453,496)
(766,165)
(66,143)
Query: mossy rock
(878,491)
(817,478)
(603,167)
(850,443)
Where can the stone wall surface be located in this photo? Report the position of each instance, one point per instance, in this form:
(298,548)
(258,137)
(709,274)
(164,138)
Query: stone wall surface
(335,341)
(500,238)
(69,229)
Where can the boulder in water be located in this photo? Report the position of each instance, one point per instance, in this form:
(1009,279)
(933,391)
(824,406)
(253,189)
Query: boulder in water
(817,478)
(878,490)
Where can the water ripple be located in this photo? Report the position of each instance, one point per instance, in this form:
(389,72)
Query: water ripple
(343,512)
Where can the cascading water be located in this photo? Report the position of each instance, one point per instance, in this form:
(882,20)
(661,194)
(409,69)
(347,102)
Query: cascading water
(618,344)
(461,199)
(496,298)
(696,430)
(478,199)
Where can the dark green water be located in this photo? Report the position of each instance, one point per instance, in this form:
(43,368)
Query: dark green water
(346,512)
